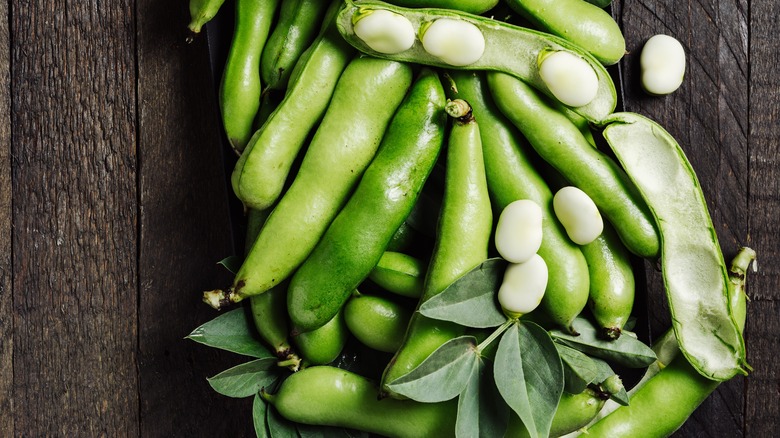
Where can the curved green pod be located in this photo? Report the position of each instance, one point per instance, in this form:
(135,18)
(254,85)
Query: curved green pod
(377,322)
(501,39)
(240,88)
(365,99)
(400,274)
(574,412)
(329,396)
(578,21)
(559,142)
(354,243)
(694,272)
(324,344)
(201,12)
(511,175)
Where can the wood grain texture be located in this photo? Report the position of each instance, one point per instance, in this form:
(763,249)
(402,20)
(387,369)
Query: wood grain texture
(709,117)
(6,232)
(74,219)
(185,231)
(762,413)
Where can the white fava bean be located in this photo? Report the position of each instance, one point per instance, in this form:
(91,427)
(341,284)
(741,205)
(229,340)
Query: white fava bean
(578,215)
(385,31)
(570,78)
(663,65)
(519,231)
(455,42)
(523,286)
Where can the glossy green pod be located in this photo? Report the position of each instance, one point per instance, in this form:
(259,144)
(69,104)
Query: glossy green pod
(400,274)
(574,412)
(465,225)
(240,87)
(324,344)
(329,396)
(578,21)
(612,285)
(296,27)
(558,141)
(366,97)
(201,12)
(354,243)
(511,175)
(377,322)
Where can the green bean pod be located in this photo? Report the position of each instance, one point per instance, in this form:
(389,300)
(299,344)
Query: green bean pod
(500,38)
(511,175)
(323,344)
(465,225)
(400,274)
(665,401)
(470,6)
(578,21)
(366,97)
(560,143)
(329,396)
(358,236)
(574,412)
(377,322)
(240,88)
(260,173)
(201,12)
(692,264)
(612,286)
(295,29)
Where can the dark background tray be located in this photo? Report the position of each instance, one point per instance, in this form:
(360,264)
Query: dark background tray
(114,211)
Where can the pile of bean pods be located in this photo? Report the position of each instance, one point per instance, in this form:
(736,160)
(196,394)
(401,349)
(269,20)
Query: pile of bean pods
(443,209)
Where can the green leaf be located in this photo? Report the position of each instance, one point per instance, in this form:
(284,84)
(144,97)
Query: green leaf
(258,417)
(578,368)
(481,412)
(246,379)
(233,331)
(529,376)
(471,300)
(231,263)
(278,426)
(625,350)
(443,375)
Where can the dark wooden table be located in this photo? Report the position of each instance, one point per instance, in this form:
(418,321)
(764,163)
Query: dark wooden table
(114,209)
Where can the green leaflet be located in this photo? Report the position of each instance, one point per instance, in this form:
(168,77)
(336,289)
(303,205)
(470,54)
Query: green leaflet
(529,375)
(443,375)
(232,331)
(259,408)
(481,412)
(471,300)
(625,350)
(278,426)
(246,379)
(578,368)
(232,263)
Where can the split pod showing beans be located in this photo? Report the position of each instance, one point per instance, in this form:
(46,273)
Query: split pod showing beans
(694,272)
(367,95)
(356,240)
(446,38)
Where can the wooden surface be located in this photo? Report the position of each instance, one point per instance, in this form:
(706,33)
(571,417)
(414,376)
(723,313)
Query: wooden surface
(114,209)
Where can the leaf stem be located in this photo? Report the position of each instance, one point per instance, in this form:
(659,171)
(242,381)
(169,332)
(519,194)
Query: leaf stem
(493,336)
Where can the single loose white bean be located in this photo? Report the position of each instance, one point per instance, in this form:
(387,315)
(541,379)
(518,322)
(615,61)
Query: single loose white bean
(663,65)
(569,77)
(455,42)
(523,286)
(578,215)
(385,31)
(519,231)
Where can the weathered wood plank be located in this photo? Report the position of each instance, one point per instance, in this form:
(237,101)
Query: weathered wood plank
(74,217)
(185,231)
(762,398)
(6,231)
(708,115)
